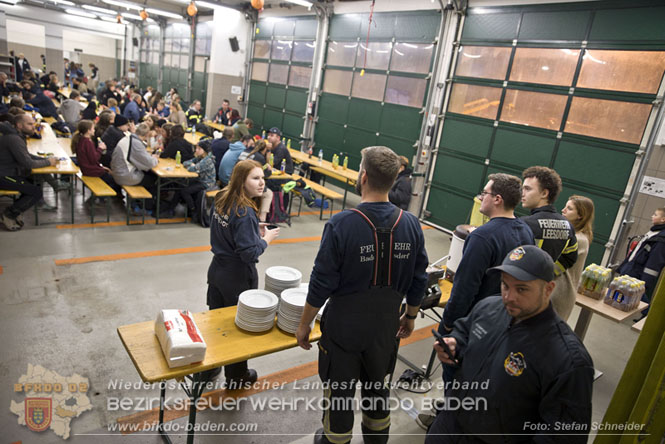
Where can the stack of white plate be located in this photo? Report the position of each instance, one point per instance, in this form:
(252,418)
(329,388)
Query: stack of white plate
(290,310)
(256,310)
(280,278)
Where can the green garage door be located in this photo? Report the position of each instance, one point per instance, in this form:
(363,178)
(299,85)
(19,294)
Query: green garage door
(566,86)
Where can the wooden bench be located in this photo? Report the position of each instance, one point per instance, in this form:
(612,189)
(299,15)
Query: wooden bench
(327,173)
(11,193)
(100,189)
(212,193)
(136,192)
(326,194)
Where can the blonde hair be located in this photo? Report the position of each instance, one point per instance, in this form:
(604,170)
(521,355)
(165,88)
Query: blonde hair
(585,209)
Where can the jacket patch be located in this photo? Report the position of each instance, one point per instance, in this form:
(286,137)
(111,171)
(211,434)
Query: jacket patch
(515,364)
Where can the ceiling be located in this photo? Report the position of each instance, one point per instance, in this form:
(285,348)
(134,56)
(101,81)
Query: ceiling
(178,7)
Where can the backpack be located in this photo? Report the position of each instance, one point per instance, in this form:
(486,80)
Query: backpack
(277,212)
(61,129)
(305,191)
(205,210)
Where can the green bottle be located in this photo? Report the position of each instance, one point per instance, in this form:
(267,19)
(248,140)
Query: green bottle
(178,158)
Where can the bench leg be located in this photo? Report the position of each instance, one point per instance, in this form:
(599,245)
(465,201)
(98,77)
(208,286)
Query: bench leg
(72,190)
(143,212)
(331,207)
(108,209)
(323,199)
(129,205)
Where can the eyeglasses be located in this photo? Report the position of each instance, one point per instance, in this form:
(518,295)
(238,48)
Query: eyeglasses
(484,193)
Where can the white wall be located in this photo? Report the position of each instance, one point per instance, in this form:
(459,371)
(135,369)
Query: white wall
(55,23)
(26,33)
(228,23)
(88,43)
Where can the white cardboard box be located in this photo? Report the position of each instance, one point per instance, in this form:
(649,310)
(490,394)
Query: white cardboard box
(180,338)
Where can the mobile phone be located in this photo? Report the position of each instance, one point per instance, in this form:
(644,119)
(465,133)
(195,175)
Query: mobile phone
(272,226)
(443,344)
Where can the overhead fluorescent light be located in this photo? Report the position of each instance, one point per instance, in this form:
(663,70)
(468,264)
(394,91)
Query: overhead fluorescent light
(163,13)
(9,2)
(108,19)
(124,4)
(208,5)
(80,13)
(64,2)
(98,9)
(304,3)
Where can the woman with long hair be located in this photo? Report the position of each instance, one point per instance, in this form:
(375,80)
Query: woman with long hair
(177,143)
(579,211)
(237,242)
(260,154)
(88,155)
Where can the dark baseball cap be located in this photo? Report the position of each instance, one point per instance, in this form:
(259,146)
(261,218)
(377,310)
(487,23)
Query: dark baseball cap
(275,130)
(527,263)
(120,120)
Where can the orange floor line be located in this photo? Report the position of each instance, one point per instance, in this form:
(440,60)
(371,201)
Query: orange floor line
(168,252)
(135,221)
(215,397)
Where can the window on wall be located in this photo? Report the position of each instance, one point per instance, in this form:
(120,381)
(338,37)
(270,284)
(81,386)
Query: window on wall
(369,86)
(405,91)
(278,73)
(303,51)
(546,66)
(483,61)
(475,100)
(262,49)
(412,57)
(337,82)
(633,71)
(281,50)
(300,76)
(341,53)
(260,71)
(374,55)
(608,119)
(533,108)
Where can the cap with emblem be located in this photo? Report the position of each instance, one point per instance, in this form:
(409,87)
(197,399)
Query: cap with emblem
(275,130)
(527,263)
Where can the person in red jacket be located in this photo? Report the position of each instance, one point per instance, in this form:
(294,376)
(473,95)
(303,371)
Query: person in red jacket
(89,156)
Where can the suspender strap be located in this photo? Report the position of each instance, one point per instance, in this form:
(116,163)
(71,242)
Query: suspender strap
(383,246)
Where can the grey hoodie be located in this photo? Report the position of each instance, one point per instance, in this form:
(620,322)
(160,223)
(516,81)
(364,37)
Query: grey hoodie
(70,110)
(15,160)
(127,168)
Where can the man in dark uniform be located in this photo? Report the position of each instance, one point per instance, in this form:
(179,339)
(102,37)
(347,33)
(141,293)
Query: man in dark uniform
(280,152)
(551,230)
(522,373)
(368,260)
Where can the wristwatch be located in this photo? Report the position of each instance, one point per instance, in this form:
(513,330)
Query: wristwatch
(408,316)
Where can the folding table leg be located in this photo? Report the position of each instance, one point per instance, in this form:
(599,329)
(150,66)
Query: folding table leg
(162,400)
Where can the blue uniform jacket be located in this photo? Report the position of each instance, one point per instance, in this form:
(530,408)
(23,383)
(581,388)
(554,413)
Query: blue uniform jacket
(345,261)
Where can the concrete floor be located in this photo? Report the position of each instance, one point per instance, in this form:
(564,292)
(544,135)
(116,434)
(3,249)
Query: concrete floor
(64,318)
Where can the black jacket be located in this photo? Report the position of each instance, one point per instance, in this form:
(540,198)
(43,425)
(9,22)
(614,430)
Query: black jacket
(186,150)
(46,106)
(649,260)
(281,152)
(219,147)
(400,193)
(111,137)
(15,160)
(554,234)
(537,372)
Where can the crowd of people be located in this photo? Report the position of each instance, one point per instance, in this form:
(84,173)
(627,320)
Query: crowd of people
(118,133)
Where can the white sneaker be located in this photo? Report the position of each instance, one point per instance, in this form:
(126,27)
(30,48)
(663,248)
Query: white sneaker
(9,223)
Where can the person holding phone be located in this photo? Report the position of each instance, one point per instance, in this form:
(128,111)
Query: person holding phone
(237,242)
(520,371)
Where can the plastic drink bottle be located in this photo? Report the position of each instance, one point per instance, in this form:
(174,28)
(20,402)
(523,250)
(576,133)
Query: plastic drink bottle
(178,158)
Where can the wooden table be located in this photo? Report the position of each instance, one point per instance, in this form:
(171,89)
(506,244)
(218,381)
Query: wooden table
(591,306)
(639,325)
(60,148)
(211,124)
(169,174)
(226,344)
(193,138)
(326,167)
